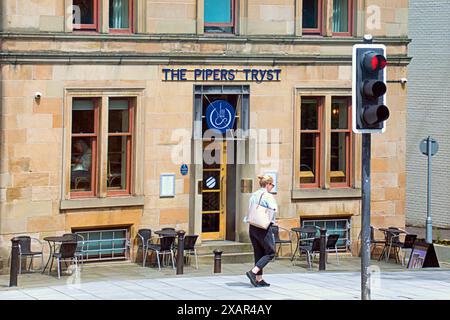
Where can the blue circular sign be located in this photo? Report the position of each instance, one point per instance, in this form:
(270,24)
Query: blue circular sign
(220,116)
(184,169)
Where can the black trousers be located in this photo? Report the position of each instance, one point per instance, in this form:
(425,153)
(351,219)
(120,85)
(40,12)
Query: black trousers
(263,243)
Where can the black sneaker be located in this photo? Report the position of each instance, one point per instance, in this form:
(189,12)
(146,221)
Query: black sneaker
(262,283)
(252,278)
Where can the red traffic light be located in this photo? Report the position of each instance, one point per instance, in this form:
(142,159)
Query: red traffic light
(374,62)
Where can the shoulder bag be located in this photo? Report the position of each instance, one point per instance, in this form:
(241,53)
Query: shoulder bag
(260,216)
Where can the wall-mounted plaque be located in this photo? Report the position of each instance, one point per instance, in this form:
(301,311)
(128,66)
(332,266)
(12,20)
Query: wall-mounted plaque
(246,186)
(167,186)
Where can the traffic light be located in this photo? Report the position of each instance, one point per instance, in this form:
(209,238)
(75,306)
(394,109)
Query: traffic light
(369,88)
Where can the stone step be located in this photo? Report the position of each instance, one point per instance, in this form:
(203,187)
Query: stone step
(227,247)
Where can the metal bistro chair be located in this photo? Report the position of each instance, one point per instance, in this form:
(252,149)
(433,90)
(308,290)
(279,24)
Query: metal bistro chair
(311,248)
(332,245)
(373,242)
(279,241)
(189,247)
(79,239)
(410,239)
(164,247)
(391,236)
(25,251)
(144,237)
(304,237)
(66,253)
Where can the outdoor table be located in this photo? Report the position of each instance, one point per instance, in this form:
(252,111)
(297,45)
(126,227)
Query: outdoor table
(52,242)
(389,233)
(166,233)
(309,230)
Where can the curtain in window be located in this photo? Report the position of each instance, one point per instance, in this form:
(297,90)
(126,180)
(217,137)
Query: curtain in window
(340,16)
(119,14)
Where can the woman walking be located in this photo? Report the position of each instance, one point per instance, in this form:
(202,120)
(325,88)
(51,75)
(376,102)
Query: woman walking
(262,240)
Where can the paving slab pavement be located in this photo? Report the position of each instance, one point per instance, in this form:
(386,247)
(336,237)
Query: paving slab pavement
(406,285)
(130,281)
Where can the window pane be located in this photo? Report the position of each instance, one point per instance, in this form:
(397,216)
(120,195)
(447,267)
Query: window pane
(211,222)
(119,12)
(211,155)
(338,157)
(333,228)
(330,226)
(81,164)
(309,114)
(211,201)
(211,180)
(340,16)
(310,14)
(339,114)
(83,116)
(218,11)
(93,246)
(117,163)
(119,116)
(308,158)
(86,10)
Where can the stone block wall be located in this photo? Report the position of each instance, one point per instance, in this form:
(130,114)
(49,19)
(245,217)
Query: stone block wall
(275,17)
(253,17)
(169,16)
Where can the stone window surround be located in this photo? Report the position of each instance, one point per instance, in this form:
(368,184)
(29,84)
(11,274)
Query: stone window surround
(137,23)
(232,24)
(95,24)
(327,191)
(137,173)
(241,15)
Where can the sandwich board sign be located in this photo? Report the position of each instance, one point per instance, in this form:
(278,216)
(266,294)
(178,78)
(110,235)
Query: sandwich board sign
(423,255)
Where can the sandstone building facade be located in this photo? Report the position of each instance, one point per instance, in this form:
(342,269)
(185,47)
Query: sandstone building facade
(103,102)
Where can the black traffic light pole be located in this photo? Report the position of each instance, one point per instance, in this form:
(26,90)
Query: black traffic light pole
(370,113)
(365,216)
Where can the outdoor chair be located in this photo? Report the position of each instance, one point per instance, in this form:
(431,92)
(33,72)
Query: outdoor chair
(164,247)
(391,235)
(279,241)
(310,248)
(410,239)
(331,245)
(79,239)
(66,252)
(25,251)
(144,237)
(189,247)
(375,242)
